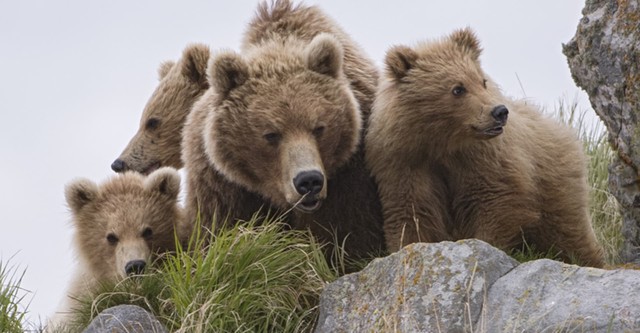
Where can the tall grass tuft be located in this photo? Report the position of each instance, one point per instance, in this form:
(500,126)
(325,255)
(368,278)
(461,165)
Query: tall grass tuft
(250,278)
(12,298)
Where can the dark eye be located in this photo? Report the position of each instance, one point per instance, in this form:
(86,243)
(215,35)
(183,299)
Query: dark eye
(112,239)
(458,90)
(484,83)
(147,233)
(152,124)
(318,131)
(273,138)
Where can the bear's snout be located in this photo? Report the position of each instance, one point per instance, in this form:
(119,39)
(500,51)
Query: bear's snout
(309,182)
(500,113)
(135,267)
(118,166)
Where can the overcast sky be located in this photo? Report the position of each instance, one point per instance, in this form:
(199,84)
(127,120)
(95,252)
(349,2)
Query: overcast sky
(75,76)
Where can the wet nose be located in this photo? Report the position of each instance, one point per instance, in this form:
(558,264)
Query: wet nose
(118,165)
(500,113)
(135,267)
(309,182)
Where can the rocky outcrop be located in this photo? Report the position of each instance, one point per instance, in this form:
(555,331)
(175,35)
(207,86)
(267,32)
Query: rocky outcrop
(548,296)
(469,286)
(125,319)
(604,58)
(418,289)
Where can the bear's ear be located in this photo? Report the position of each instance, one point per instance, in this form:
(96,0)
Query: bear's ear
(80,192)
(324,55)
(399,60)
(227,71)
(195,58)
(165,181)
(466,39)
(164,69)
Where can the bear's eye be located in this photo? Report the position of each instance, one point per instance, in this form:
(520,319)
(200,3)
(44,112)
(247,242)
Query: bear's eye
(318,131)
(152,124)
(112,239)
(147,233)
(458,90)
(484,83)
(273,138)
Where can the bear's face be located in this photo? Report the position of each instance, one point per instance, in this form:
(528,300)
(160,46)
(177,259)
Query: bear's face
(444,80)
(285,121)
(122,222)
(157,142)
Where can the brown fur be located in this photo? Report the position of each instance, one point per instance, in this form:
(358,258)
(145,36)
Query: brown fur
(157,142)
(295,100)
(442,176)
(140,213)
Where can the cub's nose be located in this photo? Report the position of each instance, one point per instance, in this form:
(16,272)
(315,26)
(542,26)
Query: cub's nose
(309,182)
(500,113)
(135,267)
(118,166)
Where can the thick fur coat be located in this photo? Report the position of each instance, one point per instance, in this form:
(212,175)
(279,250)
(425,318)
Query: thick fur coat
(157,142)
(454,158)
(281,129)
(119,226)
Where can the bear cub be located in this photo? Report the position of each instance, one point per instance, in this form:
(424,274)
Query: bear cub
(119,226)
(157,142)
(454,158)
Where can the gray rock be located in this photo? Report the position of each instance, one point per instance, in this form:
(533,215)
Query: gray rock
(604,58)
(125,319)
(549,296)
(422,288)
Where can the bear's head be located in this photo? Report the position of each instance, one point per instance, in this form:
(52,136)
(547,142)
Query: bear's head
(157,142)
(284,119)
(439,87)
(122,222)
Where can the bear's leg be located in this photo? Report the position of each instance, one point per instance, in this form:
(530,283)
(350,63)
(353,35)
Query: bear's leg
(565,224)
(571,235)
(494,213)
(414,209)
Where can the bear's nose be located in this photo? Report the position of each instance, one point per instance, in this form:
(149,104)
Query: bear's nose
(118,165)
(135,267)
(309,182)
(500,113)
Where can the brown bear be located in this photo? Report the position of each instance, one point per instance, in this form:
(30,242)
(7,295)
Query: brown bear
(281,129)
(157,142)
(119,225)
(453,158)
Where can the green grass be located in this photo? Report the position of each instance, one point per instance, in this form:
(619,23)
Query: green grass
(12,299)
(253,278)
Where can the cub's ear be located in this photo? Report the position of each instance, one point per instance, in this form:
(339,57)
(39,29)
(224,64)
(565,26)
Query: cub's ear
(399,60)
(194,63)
(227,71)
(80,192)
(164,69)
(324,55)
(165,180)
(466,39)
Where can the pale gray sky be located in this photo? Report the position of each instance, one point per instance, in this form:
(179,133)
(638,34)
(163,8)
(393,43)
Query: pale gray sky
(75,75)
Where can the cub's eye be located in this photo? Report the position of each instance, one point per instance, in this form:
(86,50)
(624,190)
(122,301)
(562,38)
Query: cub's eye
(318,131)
(112,239)
(484,83)
(152,124)
(458,90)
(273,138)
(147,233)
